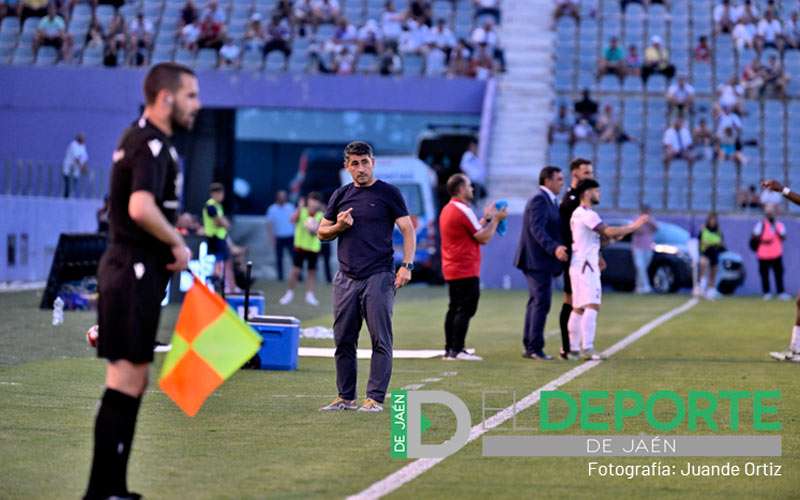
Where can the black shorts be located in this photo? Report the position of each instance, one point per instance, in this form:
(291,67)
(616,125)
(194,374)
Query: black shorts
(299,256)
(712,254)
(132,283)
(218,247)
(56,42)
(567,279)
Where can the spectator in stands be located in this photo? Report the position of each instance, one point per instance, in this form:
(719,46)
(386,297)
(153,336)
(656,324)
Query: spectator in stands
(390,62)
(487,35)
(435,60)
(702,52)
(703,140)
(729,96)
(116,39)
(677,142)
(460,61)
(391,24)
(303,15)
(344,62)
(420,11)
(748,198)
(586,108)
(284,9)
(753,79)
(76,162)
(140,40)
(609,127)
(95,38)
(730,119)
(775,78)
(612,62)
(212,28)
(31,8)
(726,16)
(487,7)
(413,38)
(52,32)
(277,36)
(324,11)
(482,63)
(561,126)
(633,63)
(254,36)
(770,33)
(369,38)
(442,36)
(656,60)
(744,35)
(230,54)
(749,12)
(791,31)
(728,146)
(188,14)
(583,131)
(190,35)
(680,96)
(473,167)
(567,8)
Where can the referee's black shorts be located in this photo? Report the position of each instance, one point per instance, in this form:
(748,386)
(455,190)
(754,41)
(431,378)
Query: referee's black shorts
(132,283)
(567,280)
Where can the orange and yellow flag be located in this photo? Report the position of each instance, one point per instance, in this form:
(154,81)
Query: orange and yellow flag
(210,343)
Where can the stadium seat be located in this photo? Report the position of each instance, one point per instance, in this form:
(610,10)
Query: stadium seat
(46,56)
(104,13)
(412,65)
(22,55)
(92,56)
(275,62)
(206,59)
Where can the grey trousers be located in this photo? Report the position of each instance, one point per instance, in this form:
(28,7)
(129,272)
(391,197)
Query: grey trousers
(354,301)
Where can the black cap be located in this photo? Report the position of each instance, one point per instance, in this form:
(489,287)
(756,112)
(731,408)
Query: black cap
(585,185)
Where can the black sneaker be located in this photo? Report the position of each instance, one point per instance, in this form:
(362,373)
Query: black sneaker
(449,356)
(537,356)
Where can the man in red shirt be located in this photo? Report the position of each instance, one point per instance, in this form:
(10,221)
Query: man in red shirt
(462,234)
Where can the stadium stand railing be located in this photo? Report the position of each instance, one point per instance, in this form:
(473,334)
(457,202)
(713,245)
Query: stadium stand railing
(635,171)
(38,178)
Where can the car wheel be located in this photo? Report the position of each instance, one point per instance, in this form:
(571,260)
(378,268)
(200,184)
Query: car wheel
(663,279)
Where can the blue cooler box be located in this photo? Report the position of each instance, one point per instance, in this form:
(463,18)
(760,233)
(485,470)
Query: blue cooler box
(257,304)
(281,336)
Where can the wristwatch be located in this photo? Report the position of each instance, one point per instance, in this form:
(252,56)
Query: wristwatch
(786,191)
(408,265)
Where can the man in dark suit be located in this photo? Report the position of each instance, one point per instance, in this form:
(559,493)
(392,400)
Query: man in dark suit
(540,256)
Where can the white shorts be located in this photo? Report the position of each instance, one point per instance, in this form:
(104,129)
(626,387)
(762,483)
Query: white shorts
(586,286)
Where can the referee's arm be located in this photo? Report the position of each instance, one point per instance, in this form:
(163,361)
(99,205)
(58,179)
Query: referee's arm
(143,210)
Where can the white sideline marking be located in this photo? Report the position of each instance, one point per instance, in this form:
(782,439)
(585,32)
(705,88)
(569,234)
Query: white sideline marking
(418,467)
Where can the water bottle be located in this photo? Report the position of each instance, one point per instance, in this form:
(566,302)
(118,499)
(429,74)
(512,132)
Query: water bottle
(502,227)
(58,311)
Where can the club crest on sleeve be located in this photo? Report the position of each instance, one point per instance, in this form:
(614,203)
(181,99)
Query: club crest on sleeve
(155,147)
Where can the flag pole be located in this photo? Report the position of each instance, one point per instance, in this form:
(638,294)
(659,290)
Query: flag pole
(247,290)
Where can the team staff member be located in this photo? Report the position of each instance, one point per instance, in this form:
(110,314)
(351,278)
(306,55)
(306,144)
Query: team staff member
(540,256)
(144,250)
(216,226)
(462,235)
(579,169)
(362,215)
(793,353)
(307,246)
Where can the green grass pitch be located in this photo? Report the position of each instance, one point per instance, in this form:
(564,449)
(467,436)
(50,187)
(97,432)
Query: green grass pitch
(261,436)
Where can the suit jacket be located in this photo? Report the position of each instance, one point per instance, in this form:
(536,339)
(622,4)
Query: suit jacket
(541,235)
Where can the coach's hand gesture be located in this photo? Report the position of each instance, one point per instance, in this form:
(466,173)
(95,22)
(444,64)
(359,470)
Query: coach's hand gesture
(345,219)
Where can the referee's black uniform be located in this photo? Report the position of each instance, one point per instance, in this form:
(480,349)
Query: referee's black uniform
(568,205)
(132,279)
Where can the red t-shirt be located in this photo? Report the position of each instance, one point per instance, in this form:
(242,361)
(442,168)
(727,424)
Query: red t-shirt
(461,252)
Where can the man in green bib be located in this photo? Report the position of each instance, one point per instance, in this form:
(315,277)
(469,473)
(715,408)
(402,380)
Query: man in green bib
(306,247)
(216,225)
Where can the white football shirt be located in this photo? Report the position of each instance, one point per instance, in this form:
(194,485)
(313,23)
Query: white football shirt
(585,240)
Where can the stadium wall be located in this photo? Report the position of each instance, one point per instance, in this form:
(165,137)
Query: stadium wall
(41,109)
(498,254)
(34,224)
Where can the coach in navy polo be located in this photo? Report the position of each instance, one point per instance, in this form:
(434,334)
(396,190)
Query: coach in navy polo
(362,215)
(540,256)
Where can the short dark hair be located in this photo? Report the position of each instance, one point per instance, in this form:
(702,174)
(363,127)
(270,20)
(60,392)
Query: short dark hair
(547,173)
(585,185)
(314,195)
(357,148)
(455,182)
(166,75)
(216,187)
(577,162)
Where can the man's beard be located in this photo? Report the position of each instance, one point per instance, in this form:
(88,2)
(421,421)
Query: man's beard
(595,201)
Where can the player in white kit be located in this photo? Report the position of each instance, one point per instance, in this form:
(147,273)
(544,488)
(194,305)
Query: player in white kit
(584,270)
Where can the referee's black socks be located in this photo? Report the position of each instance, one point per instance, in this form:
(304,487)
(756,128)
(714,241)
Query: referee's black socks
(563,319)
(113,435)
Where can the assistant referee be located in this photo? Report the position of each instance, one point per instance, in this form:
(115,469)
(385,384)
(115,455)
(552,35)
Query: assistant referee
(145,249)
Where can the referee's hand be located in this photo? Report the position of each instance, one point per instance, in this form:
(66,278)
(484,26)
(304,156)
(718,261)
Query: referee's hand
(182,256)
